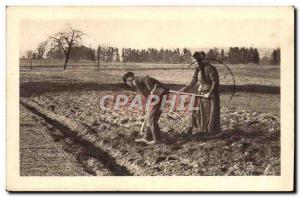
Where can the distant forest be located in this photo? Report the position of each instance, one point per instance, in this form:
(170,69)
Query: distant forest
(234,55)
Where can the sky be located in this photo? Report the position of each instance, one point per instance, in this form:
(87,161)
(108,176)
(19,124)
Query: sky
(158,33)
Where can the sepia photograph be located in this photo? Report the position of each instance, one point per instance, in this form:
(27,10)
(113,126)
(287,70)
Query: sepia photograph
(150,94)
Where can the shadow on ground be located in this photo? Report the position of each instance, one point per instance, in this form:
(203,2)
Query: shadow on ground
(28,89)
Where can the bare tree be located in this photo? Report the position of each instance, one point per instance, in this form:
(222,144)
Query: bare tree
(66,40)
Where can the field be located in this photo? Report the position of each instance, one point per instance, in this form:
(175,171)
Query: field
(97,142)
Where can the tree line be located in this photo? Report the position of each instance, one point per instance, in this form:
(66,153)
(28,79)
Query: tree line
(67,45)
(234,55)
(152,55)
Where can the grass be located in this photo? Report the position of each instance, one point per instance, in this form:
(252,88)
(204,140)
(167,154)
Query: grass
(171,73)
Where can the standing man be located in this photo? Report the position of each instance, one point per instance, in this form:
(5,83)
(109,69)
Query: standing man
(207,117)
(145,86)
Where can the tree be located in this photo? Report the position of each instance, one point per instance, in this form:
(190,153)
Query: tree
(41,50)
(187,55)
(123,55)
(109,54)
(265,60)
(243,55)
(213,53)
(222,55)
(236,55)
(34,56)
(117,55)
(176,56)
(91,54)
(98,54)
(275,59)
(66,40)
(29,54)
(255,56)
(233,55)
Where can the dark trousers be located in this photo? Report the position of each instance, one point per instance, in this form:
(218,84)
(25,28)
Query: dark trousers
(152,129)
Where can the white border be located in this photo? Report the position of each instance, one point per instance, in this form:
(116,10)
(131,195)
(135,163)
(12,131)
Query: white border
(106,2)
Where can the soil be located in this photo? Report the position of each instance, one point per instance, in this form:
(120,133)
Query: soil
(248,145)
(84,140)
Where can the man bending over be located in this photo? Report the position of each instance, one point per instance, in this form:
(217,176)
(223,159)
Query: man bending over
(145,86)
